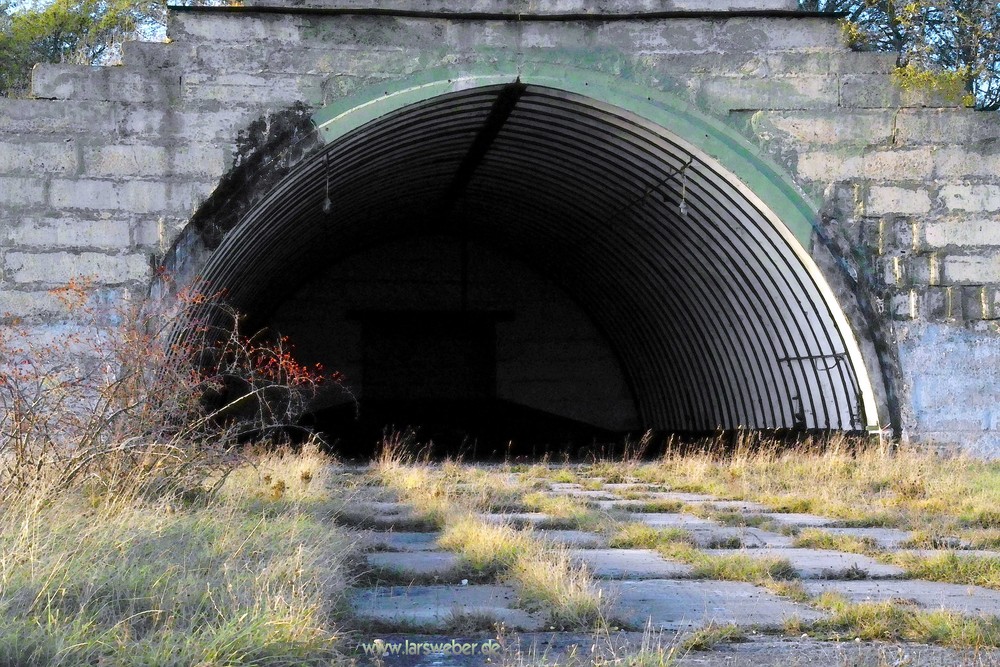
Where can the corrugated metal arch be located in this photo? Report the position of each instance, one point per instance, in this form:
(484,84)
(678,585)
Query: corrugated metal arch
(719,315)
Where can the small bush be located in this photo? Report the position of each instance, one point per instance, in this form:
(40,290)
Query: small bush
(141,398)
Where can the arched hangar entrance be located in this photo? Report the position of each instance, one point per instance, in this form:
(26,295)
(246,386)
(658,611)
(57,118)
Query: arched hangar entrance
(517,259)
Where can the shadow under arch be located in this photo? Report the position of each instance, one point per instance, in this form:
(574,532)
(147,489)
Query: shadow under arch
(685,247)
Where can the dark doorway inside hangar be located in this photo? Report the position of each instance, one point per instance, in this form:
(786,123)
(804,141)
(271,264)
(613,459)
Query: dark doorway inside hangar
(462,343)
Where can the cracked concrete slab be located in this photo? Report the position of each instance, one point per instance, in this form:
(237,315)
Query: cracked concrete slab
(800,520)
(745,537)
(418,563)
(401,541)
(822,563)
(964,599)
(670,520)
(579,539)
(629,564)
(886,538)
(516,518)
(681,605)
(439,606)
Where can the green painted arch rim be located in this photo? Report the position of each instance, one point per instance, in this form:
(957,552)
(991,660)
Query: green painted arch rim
(681,119)
(756,177)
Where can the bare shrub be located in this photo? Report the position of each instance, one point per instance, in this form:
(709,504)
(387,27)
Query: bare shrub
(141,397)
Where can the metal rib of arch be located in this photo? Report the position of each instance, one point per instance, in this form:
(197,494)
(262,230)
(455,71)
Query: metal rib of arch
(717,320)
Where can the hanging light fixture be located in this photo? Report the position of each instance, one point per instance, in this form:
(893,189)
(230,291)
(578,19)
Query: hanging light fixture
(327,204)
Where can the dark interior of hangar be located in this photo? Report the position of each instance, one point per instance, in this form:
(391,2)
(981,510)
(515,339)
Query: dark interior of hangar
(521,263)
(462,341)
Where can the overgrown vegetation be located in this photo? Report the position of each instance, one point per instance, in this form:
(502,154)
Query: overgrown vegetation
(236,578)
(121,403)
(86,32)
(546,579)
(859,483)
(136,526)
(951,48)
(888,621)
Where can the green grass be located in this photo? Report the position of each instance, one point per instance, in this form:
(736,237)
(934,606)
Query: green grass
(485,548)
(816,538)
(859,483)
(953,568)
(887,621)
(735,567)
(642,536)
(236,578)
(707,638)
(545,578)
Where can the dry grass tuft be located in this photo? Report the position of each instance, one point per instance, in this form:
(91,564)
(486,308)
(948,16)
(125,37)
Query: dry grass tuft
(226,580)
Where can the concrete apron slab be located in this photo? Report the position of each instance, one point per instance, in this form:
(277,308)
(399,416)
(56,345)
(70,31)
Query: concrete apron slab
(747,538)
(438,607)
(963,599)
(401,541)
(677,496)
(579,539)
(418,564)
(886,538)
(798,520)
(515,518)
(629,564)
(742,506)
(670,520)
(957,553)
(688,604)
(822,563)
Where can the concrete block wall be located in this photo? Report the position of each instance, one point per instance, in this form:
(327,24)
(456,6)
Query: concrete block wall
(104,167)
(915,191)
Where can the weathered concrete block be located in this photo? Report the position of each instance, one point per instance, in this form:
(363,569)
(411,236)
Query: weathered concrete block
(884,199)
(830,165)
(50,117)
(974,306)
(883,92)
(975,269)
(29,304)
(140,160)
(960,232)
(991,310)
(946,126)
(778,34)
(974,198)
(898,165)
(17,191)
(153,55)
(793,92)
(38,157)
(938,304)
(125,160)
(115,84)
(129,196)
(57,268)
(903,306)
(245,88)
(964,162)
(258,28)
(69,232)
(860,128)
(925,269)
(202,123)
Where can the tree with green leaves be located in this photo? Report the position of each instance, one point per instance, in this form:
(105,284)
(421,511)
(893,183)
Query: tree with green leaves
(940,43)
(87,32)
